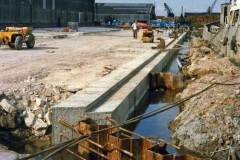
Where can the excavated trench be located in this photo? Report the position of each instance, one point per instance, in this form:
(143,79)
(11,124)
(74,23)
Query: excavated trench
(158,126)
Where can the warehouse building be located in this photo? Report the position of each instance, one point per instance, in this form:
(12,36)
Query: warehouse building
(124,12)
(46,12)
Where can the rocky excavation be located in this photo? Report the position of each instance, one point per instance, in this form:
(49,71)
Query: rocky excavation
(30,108)
(211,121)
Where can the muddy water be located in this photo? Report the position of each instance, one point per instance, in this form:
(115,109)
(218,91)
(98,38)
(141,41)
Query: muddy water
(158,125)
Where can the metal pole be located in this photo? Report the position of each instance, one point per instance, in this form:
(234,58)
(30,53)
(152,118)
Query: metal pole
(74,154)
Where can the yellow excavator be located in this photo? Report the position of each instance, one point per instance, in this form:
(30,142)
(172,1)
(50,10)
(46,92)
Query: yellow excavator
(14,37)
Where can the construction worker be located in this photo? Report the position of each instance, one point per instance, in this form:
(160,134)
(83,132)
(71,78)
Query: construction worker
(135,30)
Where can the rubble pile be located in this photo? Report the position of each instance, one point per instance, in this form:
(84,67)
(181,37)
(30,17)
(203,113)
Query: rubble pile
(203,61)
(30,107)
(210,121)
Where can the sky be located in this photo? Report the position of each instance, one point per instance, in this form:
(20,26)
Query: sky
(188,5)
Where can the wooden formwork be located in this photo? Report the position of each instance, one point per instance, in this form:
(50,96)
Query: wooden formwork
(120,144)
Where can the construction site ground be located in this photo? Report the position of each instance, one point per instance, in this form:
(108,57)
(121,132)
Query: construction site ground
(34,80)
(71,62)
(209,122)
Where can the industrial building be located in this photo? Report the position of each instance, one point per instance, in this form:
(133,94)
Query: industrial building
(46,12)
(124,12)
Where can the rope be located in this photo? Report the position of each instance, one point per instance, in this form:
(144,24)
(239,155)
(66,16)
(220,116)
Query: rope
(225,84)
(222,84)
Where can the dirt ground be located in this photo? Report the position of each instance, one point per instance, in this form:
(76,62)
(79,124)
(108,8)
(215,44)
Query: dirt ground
(210,121)
(34,80)
(70,62)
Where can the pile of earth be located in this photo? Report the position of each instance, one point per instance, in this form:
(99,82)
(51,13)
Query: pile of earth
(210,121)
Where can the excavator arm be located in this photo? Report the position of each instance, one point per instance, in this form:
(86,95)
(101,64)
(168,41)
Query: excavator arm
(169,10)
(210,9)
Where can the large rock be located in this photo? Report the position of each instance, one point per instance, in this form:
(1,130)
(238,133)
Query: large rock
(26,101)
(8,120)
(47,117)
(39,127)
(39,102)
(7,106)
(8,155)
(39,124)
(29,119)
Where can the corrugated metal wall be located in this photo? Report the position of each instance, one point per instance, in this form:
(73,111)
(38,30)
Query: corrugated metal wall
(46,12)
(124,17)
(124,12)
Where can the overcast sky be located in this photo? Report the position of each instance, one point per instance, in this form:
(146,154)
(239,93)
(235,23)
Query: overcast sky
(188,5)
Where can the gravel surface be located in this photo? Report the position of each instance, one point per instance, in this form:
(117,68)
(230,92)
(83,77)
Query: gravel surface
(70,62)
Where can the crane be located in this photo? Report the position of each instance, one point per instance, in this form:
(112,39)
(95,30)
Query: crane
(169,10)
(210,8)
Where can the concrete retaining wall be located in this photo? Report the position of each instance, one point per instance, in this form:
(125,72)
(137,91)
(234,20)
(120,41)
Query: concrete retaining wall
(116,95)
(126,100)
(75,107)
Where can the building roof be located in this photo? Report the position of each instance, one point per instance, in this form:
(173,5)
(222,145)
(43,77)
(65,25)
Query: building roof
(124,8)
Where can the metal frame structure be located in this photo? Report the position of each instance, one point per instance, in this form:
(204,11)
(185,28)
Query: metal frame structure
(118,144)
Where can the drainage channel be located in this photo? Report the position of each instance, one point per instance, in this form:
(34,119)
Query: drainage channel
(158,126)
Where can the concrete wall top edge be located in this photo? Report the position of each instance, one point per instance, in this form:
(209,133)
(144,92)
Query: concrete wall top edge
(87,96)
